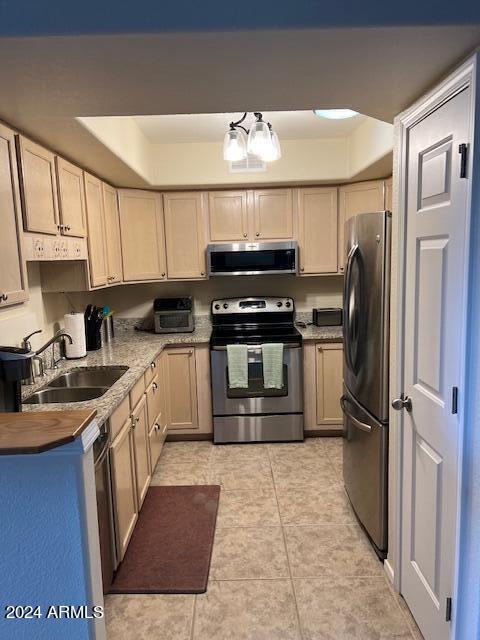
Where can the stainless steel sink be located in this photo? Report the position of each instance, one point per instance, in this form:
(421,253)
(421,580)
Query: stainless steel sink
(65,394)
(78,385)
(102,377)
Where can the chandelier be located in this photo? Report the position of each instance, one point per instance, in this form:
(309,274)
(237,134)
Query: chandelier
(260,140)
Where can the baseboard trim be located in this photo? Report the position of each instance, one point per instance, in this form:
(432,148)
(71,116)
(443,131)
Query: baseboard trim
(387,567)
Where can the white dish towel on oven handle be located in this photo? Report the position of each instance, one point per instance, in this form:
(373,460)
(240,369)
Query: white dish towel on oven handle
(237,362)
(272,356)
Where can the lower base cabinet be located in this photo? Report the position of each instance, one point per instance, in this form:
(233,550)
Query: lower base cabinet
(141,447)
(323,382)
(122,458)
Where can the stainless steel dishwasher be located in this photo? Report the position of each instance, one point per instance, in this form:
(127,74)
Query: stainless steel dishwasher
(104,507)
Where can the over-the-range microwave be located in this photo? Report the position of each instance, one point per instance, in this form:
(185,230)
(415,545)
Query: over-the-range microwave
(252,258)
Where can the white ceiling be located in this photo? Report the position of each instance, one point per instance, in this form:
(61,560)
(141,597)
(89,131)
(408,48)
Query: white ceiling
(210,127)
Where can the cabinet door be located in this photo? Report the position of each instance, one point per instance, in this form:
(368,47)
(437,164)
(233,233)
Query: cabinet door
(154,403)
(362,197)
(112,234)
(141,447)
(181,388)
(96,231)
(38,187)
(71,199)
(13,284)
(142,236)
(273,214)
(228,217)
(329,372)
(124,489)
(185,224)
(388,194)
(318,230)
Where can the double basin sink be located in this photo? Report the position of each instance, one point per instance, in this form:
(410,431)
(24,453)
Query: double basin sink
(77,385)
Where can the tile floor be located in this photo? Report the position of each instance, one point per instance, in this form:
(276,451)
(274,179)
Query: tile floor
(289,559)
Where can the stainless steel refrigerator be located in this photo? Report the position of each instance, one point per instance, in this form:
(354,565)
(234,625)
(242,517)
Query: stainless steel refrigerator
(365,371)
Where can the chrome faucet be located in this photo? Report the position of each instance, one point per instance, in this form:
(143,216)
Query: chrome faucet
(60,335)
(36,358)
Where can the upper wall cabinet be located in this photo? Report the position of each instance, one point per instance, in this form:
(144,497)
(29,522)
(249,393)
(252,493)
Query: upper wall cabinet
(317,230)
(273,214)
(361,197)
(71,199)
(142,235)
(38,187)
(228,216)
(96,231)
(13,287)
(112,235)
(185,223)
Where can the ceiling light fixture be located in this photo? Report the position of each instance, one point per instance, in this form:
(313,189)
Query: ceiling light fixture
(335,114)
(260,140)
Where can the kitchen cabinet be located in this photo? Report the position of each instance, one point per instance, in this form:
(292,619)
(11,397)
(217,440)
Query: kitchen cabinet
(317,230)
(112,235)
(13,283)
(273,214)
(96,231)
(388,194)
(71,199)
(141,449)
(124,486)
(228,216)
(38,183)
(323,386)
(185,237)
(181,388)
(142,235)
(157,418)
(361,197)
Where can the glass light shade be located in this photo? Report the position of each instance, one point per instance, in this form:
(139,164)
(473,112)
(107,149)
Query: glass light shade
(234,145)
(259,139)
(335,114)
(273,151)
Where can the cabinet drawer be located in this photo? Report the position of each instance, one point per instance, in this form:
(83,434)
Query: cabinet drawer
(151,371)
(119,417)
(137,392)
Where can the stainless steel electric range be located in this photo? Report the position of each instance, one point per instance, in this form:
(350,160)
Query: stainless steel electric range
(256,413)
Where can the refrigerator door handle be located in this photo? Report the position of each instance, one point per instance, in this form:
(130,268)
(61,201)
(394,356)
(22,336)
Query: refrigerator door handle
(346,296)
(358,423)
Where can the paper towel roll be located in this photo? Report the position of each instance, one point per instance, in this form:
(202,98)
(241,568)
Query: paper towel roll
(75,326)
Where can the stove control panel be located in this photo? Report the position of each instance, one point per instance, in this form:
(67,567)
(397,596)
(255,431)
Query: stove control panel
(252,305)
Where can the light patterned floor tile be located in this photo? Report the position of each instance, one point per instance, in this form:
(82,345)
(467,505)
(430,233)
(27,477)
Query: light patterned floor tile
(296,453)
(149,617)
(349,609)
(241,553)
(181,473)
(246,508)
(251,474)
(310,505)
(239,453)
(335,550)
(314,474)
(246,610)
(186,452)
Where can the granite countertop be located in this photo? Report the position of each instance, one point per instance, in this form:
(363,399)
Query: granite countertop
(134,349)
(327,334)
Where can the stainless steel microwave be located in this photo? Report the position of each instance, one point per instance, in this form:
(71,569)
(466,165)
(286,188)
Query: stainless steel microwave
(252,258)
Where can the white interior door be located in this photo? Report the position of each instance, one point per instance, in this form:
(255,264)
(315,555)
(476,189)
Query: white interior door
(435,297)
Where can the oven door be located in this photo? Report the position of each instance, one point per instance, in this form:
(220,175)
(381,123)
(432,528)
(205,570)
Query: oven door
(255,258)
(255,399)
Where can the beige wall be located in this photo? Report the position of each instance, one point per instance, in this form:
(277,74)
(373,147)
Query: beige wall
(137,300)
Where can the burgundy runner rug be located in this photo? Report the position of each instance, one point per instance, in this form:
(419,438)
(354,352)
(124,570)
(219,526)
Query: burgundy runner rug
(171,545)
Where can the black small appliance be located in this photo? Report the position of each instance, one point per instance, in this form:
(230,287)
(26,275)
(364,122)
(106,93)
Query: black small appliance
(328,317)
(173,315)
(15,366)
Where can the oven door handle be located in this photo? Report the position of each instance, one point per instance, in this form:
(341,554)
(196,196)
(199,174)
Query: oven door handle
(358,423)
(258,349)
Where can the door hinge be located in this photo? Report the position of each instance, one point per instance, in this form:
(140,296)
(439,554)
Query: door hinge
(463,151)
(448,610)
(454,399)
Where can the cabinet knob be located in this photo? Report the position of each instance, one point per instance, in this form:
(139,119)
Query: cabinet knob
(4,297)
(202,273)
(59,227)
(190,352)
(67,228)
(302,268)
(157,427)
(244,235)
(163,275)
(154,386)
(257,234)
(152,365)
(137,419)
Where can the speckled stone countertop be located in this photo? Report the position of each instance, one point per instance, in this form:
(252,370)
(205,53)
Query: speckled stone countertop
(134,349)
(326,334)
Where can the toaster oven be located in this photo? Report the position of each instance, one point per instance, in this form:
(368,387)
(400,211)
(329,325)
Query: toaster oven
(173,315)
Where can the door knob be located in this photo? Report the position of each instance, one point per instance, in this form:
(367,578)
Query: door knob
(402,403)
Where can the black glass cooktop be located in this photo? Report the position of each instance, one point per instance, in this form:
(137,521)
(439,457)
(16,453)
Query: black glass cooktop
(223,335)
